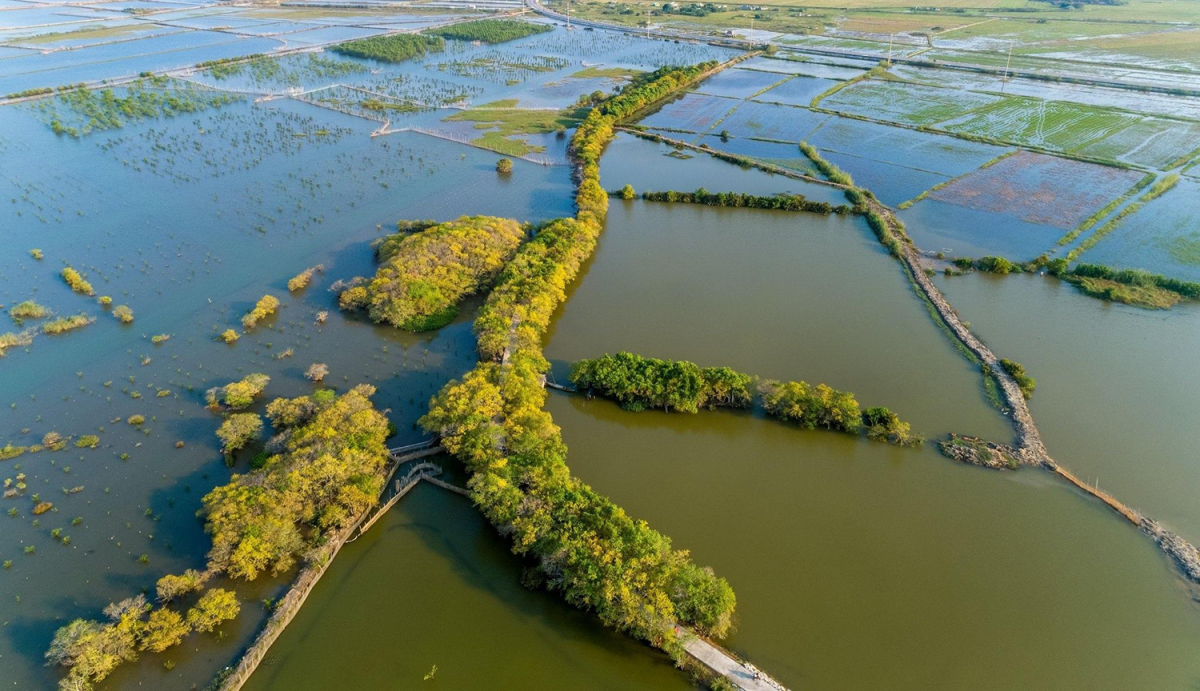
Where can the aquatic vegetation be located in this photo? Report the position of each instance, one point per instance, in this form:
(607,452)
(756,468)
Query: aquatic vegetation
(425,274)
(27,310)
(9,452)
(238,394)
(35,253)
(65,324)
(504,165)
(14,340)
(1017,371)
(265,307)
(123,314)
(504,120)
(503,67)
(77,282)
(1131,286)
(42,507)
(79,112)
(393,48)
(136,420)
(238,430)
(229,336)
(301,280)
(639,383)
(87,441)
(1159,188)
(160,338)
(104,301)
(490,30)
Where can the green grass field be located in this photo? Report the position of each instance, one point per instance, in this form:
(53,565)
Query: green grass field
(1057,125)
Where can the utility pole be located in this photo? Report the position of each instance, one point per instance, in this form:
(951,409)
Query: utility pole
(1007,64)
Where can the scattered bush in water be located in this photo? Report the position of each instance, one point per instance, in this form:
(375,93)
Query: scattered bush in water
(238,430)
(77,282)
(36,253)
(638,383)
(105,301)
(627,193)
(997,265)
(9,452)
(490,30)
(316,372)
(27,310)
(782,202)
(1017,371)
(229,336)
(160,338)
(102,109)
(504,165)
(170,587)
(425,275)
(301,280)
(394,48)
(324,472)
(265,306)
(136,420)
(87,441)
(238,394)
(12,339)
(64,324)
(123,314)
(884,425)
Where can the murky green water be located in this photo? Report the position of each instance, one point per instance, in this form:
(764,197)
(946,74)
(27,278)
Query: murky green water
(431,584)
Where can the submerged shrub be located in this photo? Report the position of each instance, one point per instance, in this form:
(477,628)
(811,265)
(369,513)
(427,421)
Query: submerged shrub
(64,324)
(238,394)
(123,314)
(77,282)
(27,310)
(265,306)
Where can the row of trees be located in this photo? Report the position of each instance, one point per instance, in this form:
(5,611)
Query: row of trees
(323,472)
(425,274)
(393,48)
(825,407)
(583,545)
(781,202)
(638,383)
(490,30)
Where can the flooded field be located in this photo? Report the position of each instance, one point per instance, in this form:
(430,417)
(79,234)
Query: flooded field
(146,216)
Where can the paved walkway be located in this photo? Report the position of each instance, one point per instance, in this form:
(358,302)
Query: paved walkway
(744,676)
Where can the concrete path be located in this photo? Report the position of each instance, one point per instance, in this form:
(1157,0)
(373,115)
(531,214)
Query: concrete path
(742,675)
